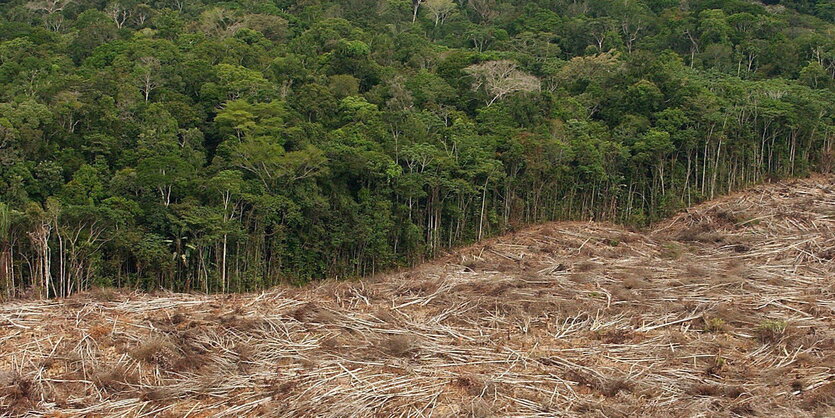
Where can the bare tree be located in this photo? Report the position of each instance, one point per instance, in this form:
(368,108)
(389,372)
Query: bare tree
(146,73)
(501,78)
(141,13)
(52,8)
(179,5)
(824,58)
(633,17)
(6,273)
(415,6)
(48,6)
(42,223)
(401,98)
(486,9)
(694,46)
(79,237)
(440,9)
(219,22)
(66,107)
(600,30)
(119,13)
(631,27)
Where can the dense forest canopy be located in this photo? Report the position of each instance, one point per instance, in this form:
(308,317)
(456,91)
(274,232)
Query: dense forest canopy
(231,145)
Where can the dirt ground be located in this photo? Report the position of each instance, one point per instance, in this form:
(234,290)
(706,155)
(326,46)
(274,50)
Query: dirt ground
(724,310)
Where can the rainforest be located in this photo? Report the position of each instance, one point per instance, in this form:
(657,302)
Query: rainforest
(223,146)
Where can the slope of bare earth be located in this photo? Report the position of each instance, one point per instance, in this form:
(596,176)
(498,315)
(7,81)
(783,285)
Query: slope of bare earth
(724,310)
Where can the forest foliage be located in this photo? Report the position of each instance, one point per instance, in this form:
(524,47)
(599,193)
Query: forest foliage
(201,145)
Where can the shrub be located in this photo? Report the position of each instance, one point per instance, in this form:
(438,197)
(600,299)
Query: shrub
(714,325)
(771,330)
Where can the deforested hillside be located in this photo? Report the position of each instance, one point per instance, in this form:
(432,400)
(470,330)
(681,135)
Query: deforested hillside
(725,309)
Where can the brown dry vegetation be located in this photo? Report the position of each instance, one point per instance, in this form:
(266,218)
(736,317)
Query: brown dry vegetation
(726,309)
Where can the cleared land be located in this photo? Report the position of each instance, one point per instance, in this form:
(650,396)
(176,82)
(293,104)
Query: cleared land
(726,309)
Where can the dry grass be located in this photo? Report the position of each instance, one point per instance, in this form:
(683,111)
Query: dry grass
(724,310)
